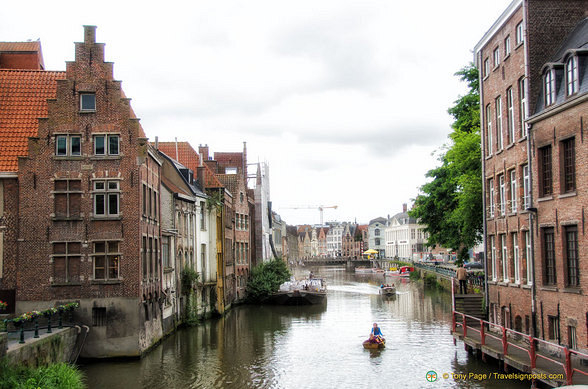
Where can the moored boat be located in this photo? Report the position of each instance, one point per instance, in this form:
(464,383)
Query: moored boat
(301,292)
(404,271)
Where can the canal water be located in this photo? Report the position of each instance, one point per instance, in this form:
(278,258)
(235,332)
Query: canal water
(314,346)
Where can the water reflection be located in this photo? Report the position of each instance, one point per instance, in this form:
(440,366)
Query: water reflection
(310,346)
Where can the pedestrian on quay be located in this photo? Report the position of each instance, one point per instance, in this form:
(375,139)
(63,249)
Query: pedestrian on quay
(462,277)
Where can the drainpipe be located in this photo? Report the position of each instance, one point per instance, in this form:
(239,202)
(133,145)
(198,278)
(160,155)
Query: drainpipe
(533,211)
(483,156)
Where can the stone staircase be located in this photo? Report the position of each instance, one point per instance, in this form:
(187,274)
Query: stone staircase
(471,304)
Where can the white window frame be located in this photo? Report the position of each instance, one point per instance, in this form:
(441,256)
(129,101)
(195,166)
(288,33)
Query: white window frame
(107,150)
(528,252)
(496,56)
(510,114)
(107,192)
(489,140)
(520,38)
(549,87)
(493,257)
(504,257)
(572,81)
(486,67)
(491,195)
(523,105)
(526,187)
(499,135)
(502,194)
(507,46)
(516,258)
(513,190)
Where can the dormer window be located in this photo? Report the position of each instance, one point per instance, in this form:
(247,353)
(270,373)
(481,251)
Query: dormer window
(88,102)
(572,75)
(549,87)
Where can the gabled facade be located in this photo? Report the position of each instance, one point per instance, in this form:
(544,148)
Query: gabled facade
(86,231)
(405,238)
(322,241)
(377,240)
(335,240)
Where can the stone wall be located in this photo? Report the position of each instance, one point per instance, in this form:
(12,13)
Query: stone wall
(51,348)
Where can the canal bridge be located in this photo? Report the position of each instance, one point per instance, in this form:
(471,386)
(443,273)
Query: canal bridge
(348,262)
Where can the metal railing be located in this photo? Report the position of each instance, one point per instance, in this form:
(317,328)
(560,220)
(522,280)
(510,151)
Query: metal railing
(473,279)
(505,337)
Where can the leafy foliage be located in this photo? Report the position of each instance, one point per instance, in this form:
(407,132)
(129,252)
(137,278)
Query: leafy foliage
(189,277)
(450,204)
(266,278)
(57,376)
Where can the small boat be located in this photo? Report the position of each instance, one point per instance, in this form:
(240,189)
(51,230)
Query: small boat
(404,271)
(301,292)
(378,271)
(363,270)
(388,291)
(374,346)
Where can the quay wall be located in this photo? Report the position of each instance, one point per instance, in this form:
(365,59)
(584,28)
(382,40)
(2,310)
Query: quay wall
(46,350)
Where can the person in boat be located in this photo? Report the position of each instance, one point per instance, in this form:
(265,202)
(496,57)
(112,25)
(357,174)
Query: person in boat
(376,335)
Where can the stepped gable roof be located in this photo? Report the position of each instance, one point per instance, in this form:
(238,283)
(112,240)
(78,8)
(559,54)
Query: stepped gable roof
(187,156)
(378,220)
(23,96)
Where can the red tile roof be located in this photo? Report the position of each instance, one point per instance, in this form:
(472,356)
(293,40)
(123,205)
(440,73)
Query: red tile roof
(187,156)
(23,99)
(173,187)
(19,48)
(210,179)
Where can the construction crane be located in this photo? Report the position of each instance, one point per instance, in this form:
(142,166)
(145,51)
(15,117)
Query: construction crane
(319,207)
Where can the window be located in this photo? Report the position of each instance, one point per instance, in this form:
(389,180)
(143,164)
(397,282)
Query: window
(66,262)
(377,232)
(203,216)
(493,258)
(165,252)
(502,194)
(106,145)
(522,106)
(231,170)
(106,198)
(516,259)
(144,200)
(520,34)
(549,256)
(549,87)
(88,101)
(526,187)
(528,257)
(68,145)
(144,257)
(572,266)
(572,75)
(488,129)
(377,241)
(513,191)
(569,165)
(486,67)
(504,257)
(545,177)
(553,328)
(106,260)
(98,316)
(496,57)
(507,46)
(246,222)
(572,339)
(491,196)
(499,140)
(203,256)
(510,122)
(67,198)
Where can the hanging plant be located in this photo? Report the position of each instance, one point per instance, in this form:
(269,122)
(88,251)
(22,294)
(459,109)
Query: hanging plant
(3,305)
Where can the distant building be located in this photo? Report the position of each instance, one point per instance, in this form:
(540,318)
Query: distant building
(335,240)
(405,238)
(376,236)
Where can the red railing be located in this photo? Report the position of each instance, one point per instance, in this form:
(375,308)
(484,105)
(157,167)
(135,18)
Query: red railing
(506,341)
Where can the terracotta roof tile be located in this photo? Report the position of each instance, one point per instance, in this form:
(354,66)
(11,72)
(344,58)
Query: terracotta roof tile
(20,46)
(187,156)
(23,99)
(210,179)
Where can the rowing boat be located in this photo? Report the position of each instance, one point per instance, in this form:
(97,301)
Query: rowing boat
(374,346)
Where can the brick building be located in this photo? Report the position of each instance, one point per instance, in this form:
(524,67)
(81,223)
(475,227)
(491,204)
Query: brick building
(85,232)
(532,219)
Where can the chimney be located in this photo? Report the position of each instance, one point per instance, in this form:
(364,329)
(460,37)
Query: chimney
(404,208)
(156,143)
(245,162)
(89,34)
(203,151)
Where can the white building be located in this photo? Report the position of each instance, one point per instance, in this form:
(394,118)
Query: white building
(335,239)
(405,238)
(263,230)
(376,239)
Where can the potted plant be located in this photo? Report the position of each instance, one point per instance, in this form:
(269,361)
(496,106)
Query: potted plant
(3,305)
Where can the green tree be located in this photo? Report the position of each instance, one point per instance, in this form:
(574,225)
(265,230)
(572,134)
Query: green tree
(450,204)
(266,278)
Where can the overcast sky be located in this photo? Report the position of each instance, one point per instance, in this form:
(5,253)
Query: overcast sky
(346,100)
